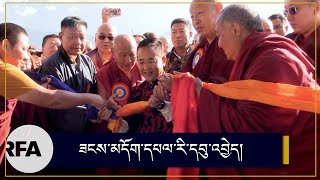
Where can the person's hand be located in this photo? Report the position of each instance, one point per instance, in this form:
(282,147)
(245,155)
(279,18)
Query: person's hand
(104,114)
(161,93)
(46,84)
(106,14)
(111,104)
(154,102)
(166,81)
(97,101)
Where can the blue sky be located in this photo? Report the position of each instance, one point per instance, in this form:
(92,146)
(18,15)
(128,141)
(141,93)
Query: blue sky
(43,18)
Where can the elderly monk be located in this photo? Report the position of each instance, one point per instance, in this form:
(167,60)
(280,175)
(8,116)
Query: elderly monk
(104,45)
(207,59)
(117,78)
(121,74)
(256,54)
(302,19)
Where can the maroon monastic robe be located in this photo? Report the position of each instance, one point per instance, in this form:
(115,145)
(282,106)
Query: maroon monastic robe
(114,80)
(308,45)
(96,59)
(270,58)
(208,60)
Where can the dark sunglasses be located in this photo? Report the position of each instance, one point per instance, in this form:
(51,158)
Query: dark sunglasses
(102,37)
(292,10)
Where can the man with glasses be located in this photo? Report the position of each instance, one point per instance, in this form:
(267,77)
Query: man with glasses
(69,64)
(104,45)
(74,69)
(279,23)
(13,51)
(303,18)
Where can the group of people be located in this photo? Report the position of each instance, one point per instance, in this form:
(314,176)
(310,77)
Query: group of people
(232,43)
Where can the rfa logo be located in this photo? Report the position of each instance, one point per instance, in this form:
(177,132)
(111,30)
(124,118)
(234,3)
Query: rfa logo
(29,149)
(33,148)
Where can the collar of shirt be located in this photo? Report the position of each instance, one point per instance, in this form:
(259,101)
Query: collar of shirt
(177,55)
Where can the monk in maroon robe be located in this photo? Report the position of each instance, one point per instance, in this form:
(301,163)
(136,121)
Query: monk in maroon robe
(264,57)
(102,54)
(118,76)
(302,19)
(207,59)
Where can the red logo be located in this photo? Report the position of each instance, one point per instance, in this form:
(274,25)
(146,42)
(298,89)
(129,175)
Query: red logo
(122,91)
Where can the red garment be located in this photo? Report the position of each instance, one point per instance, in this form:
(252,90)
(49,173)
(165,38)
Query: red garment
(269,58)
(96,59)
(25,113)
(212,61)
(151,120)
(111,75)
(308,45)
(184,114)
(5,121)
(113,78)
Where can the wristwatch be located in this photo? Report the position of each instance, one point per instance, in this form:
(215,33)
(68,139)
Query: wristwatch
(161,106)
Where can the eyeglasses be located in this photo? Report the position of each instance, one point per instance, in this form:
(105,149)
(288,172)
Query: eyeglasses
(102,37)
(292,10)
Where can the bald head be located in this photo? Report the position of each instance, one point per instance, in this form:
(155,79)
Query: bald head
(107,27)
(242,15)
(206,3)
(266,25)
(235,24)
(125,52)
(124,40)
(204,16)
(104,38)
